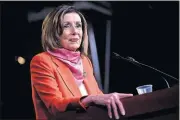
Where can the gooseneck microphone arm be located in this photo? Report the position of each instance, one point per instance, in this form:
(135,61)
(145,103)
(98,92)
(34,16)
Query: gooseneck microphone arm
(132,60)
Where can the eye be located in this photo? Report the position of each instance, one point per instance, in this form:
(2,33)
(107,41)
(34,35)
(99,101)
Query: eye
(79,25)
(66,25)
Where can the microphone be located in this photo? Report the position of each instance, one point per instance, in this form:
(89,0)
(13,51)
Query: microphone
(132,60)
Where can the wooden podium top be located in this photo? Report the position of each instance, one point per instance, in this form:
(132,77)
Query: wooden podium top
(134,106)
(150,102)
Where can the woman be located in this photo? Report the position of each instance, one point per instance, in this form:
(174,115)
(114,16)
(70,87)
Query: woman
(62,76)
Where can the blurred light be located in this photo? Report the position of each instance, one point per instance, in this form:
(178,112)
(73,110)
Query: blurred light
(21,60)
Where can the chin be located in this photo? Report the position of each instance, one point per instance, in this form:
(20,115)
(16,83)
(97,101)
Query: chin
(74,48)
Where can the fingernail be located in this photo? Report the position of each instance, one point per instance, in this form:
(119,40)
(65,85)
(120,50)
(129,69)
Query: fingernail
(117,117)
(123,113)
(110,116)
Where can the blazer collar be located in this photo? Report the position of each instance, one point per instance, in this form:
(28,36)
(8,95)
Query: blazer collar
(68,78)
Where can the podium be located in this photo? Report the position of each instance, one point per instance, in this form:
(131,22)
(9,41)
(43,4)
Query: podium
(158,105)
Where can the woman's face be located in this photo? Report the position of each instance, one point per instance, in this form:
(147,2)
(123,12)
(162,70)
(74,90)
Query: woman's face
(72,31)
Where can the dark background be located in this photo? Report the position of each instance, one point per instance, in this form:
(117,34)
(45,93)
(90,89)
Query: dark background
(146,31)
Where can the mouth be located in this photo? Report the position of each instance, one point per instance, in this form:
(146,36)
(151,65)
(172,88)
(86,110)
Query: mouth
(74,39)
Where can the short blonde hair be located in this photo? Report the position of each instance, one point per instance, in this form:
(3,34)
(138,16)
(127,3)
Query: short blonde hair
(52,28)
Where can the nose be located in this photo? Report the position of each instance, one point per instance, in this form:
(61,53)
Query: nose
(74,30)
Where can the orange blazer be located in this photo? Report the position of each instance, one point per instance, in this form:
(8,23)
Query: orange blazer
(53,87)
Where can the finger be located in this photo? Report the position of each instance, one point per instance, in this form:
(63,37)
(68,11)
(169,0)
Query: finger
(123,95)
(120,106)
(109,109)
(113,103)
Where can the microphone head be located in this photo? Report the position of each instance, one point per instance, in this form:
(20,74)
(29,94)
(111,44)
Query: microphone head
(115,54)
(131,58)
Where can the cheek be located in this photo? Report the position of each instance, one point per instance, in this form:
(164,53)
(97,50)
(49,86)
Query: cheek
(65,35)
(81,35)
(63,40)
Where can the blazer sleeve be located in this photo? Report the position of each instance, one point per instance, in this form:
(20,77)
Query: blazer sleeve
(45,84)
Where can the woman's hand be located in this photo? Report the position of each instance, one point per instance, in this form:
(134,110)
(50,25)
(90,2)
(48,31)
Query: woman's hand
(112,101)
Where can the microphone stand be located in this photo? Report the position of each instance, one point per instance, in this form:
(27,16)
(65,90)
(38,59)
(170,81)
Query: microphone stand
(132,60)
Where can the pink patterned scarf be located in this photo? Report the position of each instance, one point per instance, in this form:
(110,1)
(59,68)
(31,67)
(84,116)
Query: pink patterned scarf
(73,60)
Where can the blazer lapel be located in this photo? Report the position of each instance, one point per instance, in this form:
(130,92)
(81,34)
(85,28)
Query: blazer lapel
(67,77)
(87,79)
(88,86)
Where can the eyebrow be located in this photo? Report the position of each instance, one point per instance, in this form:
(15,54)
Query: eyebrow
(70,22)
